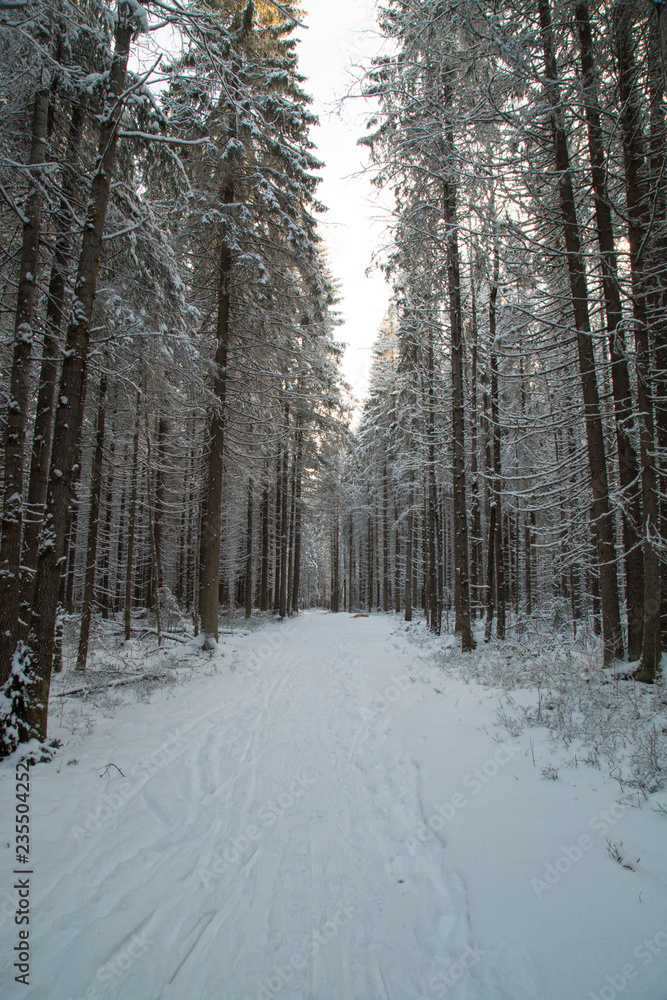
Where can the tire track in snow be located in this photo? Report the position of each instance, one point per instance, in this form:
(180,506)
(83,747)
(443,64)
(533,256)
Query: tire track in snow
(326,902)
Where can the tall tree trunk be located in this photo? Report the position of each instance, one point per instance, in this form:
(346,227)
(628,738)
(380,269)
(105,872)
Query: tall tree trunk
(350,562)
(409,531)
(66,589)
(335,584)
(476,544)
(211,523)
(154,573)
(369,573)
(397,562)
(119,596)
(20,400)
(385,539)
(298,514)
(248,554)
(491,550)
(623,406)
(159,508)
(432,492)
(376,535)
(657,248)
(498,539)
(529,532)
(284,519)
(604,527)
(105,582)
(277,560)
(196,588)
(93,528)
(638,225)
(264,572)
(132,525)
(69,412)
(41,441)
(462,579)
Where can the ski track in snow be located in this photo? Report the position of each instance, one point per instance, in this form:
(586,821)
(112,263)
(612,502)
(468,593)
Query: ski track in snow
(267,855)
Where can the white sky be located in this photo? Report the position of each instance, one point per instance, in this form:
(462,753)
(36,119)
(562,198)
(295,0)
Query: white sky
(340,36)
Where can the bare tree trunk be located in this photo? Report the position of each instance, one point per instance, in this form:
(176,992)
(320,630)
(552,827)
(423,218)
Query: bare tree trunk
(385,540)
(409,531)
(20,400)
(397,563)
(335,585)
(277,560)
(159,508)
(603,520)
(432,493)
(351,562)
(623,406)
(196,589)
(264,586)
(66,590)
(132,526)
(284,520)
(529,530)
(41,441)
(476,544)
(248,554)
(638,223)
(119,596)
(93,528)
(69,411)
(297,521)
(105,582)
(376,532)
(369,574)
(155,568)
(657,247)
(211,523)
(498,540)
(492,548)
(462,579)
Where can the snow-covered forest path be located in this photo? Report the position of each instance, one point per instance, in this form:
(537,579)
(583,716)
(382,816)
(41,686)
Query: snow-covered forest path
(269,837)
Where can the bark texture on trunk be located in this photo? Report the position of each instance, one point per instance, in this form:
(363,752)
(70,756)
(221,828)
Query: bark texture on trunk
(623,406)
(603,520)
(132,526)
(211,521)
(298,516)
(93,529)
(637,205)
(462,578)
(48,376)
(248,554)
(431,499)
(498,539)
(19,391)
(69,413)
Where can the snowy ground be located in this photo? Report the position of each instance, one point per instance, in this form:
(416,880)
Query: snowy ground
(322,813)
